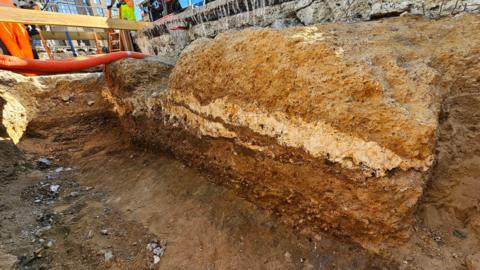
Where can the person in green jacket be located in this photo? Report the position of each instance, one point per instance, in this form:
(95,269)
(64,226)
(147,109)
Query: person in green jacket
(127,10)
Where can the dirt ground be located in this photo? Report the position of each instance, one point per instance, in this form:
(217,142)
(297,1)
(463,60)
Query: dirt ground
(140,197)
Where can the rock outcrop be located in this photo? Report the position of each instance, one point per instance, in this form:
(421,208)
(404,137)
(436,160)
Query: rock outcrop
(166,39)
(332,127)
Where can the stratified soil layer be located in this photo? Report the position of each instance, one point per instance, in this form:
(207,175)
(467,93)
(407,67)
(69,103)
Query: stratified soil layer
(23,99)
(333,127)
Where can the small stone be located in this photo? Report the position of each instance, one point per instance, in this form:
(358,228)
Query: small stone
(104,232)
(437,239)
(38,253)
(90,102)
(108,255)
(151,246)
(159,251)
(74,193)
(156,259)
(68,98)
(459,234)
(54,188)
(43,163)
(473,261)
(59,169)
(49,244)
(317,237)
(40,231)
(89,235)
(288,256)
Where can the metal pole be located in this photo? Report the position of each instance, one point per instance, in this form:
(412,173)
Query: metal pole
(69,39)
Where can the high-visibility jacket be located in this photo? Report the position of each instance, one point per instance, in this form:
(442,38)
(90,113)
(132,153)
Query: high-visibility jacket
(127,10)
(14,36)
(6,3)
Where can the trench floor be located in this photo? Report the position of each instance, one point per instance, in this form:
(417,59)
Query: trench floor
(115,199)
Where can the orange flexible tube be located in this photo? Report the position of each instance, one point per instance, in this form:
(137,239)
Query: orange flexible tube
(26,65)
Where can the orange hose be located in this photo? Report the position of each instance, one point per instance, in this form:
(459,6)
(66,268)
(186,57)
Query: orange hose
(26,65)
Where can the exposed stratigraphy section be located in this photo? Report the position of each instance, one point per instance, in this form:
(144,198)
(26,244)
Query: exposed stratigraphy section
(332,127)
(340,110)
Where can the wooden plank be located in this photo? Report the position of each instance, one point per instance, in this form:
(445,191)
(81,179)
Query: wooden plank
(126,40)
(60,35)
(36,17)
(45,45)
(97,43)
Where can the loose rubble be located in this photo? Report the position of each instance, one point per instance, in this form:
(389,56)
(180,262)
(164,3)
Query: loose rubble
(157,249)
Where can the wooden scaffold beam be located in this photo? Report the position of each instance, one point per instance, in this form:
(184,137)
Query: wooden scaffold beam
(36,17)
(61,35)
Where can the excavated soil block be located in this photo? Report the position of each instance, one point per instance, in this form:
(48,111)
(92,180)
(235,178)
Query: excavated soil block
(332,127)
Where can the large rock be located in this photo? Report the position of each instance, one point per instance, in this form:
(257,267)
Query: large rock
(321,11)
(331,127)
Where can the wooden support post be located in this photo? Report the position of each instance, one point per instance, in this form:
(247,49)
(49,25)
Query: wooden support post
(42,39)
(97,44)
(110,32)
(127,43)
(45,45)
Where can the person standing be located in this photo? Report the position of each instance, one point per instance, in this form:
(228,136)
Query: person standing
(127,9)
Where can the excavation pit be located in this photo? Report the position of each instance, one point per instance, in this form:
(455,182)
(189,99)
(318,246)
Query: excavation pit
(289,136)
